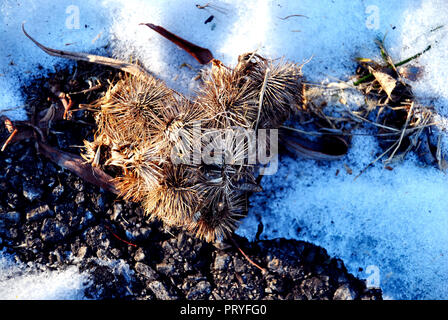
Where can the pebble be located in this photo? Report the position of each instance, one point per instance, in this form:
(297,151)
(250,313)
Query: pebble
(39,213)
(161,291)
(200,291)
(344,292)
(146,271)
(221,262)
(31,192)
(53,231)
(12,217)
(139,255)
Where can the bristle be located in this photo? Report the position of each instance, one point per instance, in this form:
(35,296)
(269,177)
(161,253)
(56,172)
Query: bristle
(282,93)
(131,187)
(175,200)
(219,218)
(228,99)
(130,106)
(173,125)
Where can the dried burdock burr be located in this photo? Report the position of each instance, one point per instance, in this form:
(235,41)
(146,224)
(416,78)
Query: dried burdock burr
(172,127)
(228,98)
(279,85)
(132,100)
(176,199)
(223,204)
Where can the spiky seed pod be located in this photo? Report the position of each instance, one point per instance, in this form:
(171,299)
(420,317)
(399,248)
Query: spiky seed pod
(221,210)
(228,99)
(140,118)
(128,108)
(140,127)
(283,88)
(143,161)
(222,203)
(173,125)
(175,200)
(131,186)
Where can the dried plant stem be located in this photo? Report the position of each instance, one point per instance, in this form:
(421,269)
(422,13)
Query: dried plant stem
(374,161)
(114,63)
(374,123)
(294,15)
(310,133)
(11,136)
(79,167)
(260,100)
(402,132)
(263,270)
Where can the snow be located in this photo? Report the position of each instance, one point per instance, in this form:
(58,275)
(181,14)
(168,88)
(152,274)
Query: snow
(22,282)
(19,281)
(387,226)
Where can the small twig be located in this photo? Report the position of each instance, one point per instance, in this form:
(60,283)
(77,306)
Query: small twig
(11,136)
(341,133)
(373,123)
(374,161)
(98,86)
(263,270)
(294,15)
(311,133)
(11,129)
(209,5)
(114,63)
(403,132)
(116,236)
(66,105)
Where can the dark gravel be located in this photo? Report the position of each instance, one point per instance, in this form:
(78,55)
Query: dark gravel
(65,226)
(52,218)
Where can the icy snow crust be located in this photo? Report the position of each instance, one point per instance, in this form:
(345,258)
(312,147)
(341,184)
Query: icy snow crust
(390,227)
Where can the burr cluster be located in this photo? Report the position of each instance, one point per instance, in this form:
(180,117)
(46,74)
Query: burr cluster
(189,161)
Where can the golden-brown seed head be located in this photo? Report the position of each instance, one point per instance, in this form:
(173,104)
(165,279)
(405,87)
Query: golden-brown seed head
(129,107)
(175,200)
(228,99)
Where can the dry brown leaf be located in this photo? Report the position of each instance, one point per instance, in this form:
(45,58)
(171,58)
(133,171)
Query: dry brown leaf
(348,169)
(387,82)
